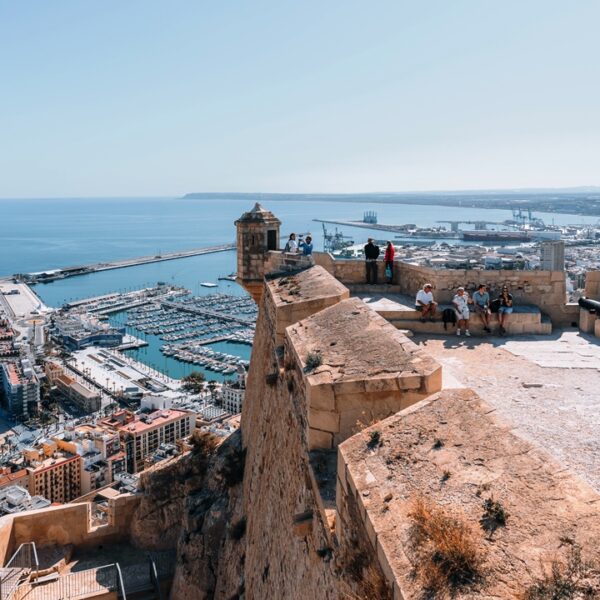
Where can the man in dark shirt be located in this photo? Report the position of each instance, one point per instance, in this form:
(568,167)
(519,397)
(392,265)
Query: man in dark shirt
(371,255)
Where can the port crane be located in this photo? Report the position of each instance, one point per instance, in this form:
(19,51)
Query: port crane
(335,241)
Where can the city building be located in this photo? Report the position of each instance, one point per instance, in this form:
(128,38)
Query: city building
(88,400)
(552,256)
(21,387)
(54,474)
(233,393)
(102,457)
(143,434)
(15,499)
(9,477)
(81,330)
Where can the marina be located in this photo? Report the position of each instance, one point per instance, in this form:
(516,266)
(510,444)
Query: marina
(192,324)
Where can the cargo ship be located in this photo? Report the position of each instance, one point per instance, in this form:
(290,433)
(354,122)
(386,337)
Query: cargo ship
(486,235)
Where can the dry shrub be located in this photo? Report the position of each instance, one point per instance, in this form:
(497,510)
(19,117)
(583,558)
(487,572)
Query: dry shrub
(569,578)
(372,585)
(204,443)
(449,550)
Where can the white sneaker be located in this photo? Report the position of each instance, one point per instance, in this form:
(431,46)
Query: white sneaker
(467,333)
(458,332)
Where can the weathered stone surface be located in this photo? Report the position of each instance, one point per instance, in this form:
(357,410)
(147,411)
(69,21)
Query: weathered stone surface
(372,369)
(484,458)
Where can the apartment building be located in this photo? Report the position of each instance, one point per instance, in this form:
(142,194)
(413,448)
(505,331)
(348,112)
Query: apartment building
(143,435)
(21,387)
(52,472)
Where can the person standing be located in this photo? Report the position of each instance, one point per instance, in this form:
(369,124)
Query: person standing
(505,308)
(481,304)
(388,261)
(425,304)
(371,256)
(461,308)
(306,246)
(291,245)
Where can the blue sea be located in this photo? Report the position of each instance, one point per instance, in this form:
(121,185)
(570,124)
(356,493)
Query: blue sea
(44,234)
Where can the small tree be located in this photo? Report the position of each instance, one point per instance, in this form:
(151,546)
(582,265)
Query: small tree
(194,382)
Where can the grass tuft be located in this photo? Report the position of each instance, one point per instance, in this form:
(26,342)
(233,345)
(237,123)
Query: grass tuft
(449,551)
(569,578)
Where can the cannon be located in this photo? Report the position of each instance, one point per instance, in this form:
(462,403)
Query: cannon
(589,304)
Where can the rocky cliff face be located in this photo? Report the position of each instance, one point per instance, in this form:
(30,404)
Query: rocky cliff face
(189,504)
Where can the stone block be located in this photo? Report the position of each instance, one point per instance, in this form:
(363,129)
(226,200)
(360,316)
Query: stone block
(384,382)
(433,380)
(320,397)
(409,381)
(597,328)
(384,561)
(587,320)
(319,439)
(353,386)
(324,420)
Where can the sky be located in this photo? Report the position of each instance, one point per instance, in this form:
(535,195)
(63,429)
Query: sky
(156,98)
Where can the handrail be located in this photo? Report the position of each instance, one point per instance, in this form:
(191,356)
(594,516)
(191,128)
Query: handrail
(154,577)
(120,583)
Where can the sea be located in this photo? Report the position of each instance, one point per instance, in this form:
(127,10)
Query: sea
(43,234)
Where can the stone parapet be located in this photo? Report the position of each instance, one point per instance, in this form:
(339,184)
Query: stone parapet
(298,295)
(368,370)
(451,450)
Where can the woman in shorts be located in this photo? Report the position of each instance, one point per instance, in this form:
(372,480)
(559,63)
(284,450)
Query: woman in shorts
(505,309)
(461,308)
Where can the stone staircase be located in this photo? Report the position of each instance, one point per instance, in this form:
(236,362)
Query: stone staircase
(399,310)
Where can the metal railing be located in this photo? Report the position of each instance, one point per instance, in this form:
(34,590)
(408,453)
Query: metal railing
(23,562)
(81,584)
(154,577)
(77,584)
(121,590)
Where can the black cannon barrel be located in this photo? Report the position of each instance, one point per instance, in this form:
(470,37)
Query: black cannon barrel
(589,304)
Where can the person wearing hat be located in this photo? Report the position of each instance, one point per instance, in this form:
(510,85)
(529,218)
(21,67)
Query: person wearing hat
(425,304)
(461,308)
(371,256)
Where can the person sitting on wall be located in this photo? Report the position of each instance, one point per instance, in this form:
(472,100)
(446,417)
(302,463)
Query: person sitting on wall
(505,308)
(425,303)
(291,245)
(388,261)
(371,255)
(481,303)
(461,307)
(306,245)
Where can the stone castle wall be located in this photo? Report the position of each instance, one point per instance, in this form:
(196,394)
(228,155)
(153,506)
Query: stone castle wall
(67,524)
(545,289)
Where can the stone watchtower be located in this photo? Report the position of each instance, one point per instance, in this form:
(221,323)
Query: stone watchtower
(257,234)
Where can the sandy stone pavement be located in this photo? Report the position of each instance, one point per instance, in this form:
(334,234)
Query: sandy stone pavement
(548,387)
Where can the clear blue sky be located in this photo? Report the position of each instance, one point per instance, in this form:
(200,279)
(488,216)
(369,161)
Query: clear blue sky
(140,97)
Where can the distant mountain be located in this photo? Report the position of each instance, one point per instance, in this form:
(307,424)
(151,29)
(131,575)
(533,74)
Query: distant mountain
(584,200)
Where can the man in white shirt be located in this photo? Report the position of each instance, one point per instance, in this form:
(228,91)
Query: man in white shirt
(461,308)
(425,304)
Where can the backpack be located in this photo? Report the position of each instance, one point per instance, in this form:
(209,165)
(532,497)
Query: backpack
(495,305)
(448,316)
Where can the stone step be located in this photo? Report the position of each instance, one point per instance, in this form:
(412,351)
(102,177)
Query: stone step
(380,288)
(513,327)
(520,317)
